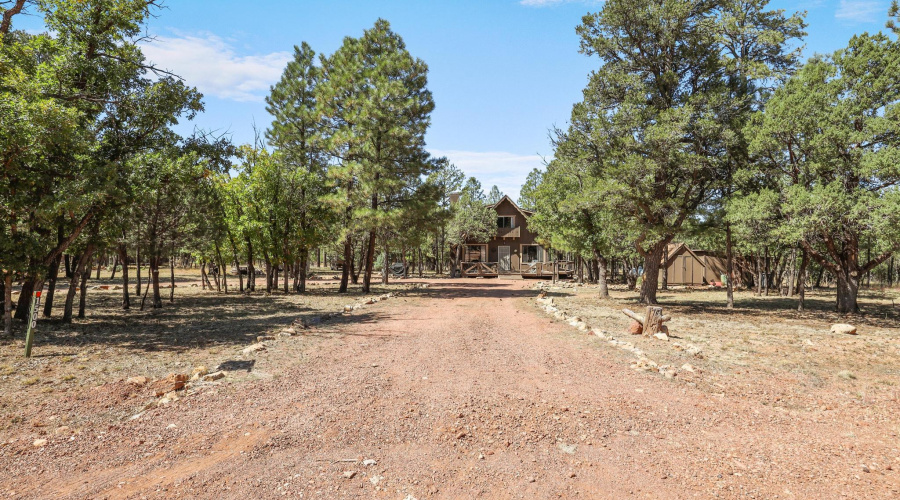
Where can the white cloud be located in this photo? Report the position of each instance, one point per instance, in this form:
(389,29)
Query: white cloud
(505,170)
(212,65)
(860,11)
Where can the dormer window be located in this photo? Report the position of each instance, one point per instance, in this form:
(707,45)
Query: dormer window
(505,222)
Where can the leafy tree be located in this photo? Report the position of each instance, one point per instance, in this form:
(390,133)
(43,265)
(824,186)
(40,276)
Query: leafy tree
(378,108)
(297,132)
(447,179)
(84,90)
(653,109)
(527,196)
(473,221)
(494,196)
(829,140)
(753,42)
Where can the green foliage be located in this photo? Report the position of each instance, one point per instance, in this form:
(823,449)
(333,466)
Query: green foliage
(827,146)
(473,220)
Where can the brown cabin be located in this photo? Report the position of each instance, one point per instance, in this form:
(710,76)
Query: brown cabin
(692,267)
(513,250)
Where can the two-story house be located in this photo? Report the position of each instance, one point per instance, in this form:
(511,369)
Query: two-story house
(513,250)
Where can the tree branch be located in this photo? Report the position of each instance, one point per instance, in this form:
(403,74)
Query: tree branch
(8,15)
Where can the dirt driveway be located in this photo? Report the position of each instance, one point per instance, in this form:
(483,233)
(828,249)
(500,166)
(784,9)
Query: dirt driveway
(463,391)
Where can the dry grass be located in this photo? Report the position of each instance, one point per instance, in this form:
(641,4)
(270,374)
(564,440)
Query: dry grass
(199,328)
(764,346)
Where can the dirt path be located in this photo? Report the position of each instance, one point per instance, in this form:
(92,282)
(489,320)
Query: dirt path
(464,392)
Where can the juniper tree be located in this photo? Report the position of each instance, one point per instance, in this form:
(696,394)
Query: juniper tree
(829,140)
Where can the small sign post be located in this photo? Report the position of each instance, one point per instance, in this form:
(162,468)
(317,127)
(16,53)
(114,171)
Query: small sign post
(32,322)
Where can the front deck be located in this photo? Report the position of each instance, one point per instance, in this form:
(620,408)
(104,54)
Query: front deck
(478,269)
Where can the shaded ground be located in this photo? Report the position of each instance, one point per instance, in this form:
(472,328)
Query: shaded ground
(461,390)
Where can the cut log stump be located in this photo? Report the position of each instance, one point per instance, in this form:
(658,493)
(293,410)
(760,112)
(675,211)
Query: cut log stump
(652,321)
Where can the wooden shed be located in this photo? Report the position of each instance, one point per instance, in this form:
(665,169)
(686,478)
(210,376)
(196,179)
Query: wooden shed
(692,267)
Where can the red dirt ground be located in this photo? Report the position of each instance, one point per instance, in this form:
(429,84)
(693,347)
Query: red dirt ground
(463,391)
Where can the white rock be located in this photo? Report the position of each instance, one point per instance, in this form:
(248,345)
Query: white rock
(376,479)
(661,336)
(39,443)
(688,367)
(214,376)
(367,462)
(254,348)
(843,328)
(350,474)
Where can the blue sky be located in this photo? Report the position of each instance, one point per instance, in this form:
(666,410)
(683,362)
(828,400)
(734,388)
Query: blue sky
(502,71)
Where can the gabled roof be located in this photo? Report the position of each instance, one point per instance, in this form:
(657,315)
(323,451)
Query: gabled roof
(526,213)
(676,248)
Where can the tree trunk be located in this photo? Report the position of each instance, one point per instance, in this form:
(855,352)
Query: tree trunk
(251,271)
(890,275)
(269,271)
(818,283)
(602,264)
(768,277)
(69,270)
(847,291)
(801,284)
(759,276)
(729,268)
(793,272)
(82,297)
(172,279)
(345,269)
(801,273)
(304,260)
(7,305)
(73,283)
(98,269)
(154,277)
(203,278)
(385,267)
(665,271)
(652,260)
(112,275)
(630,278)
(52,275)
(137,272)
(23,305)
(370,262)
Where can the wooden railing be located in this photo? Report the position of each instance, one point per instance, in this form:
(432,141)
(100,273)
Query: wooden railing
(509,232)
(546,268)
(473,269)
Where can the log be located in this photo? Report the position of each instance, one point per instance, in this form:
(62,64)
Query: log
(633,315)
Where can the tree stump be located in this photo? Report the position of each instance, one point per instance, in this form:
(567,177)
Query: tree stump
(652,322)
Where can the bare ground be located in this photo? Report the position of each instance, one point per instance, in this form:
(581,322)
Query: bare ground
(461,390)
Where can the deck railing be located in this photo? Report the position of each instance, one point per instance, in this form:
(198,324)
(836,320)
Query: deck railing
(472,269)
(546,268)
(509,232)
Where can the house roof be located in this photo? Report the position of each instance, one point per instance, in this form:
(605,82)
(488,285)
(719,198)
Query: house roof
(526,213)
(676,248)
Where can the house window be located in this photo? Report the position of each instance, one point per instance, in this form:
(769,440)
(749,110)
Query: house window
(504,222)
(532,253)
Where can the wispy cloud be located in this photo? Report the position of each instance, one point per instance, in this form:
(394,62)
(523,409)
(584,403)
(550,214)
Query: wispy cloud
(212,65)
(505,170)
(860,11)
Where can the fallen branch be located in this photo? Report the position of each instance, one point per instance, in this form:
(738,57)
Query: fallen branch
(633,315)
